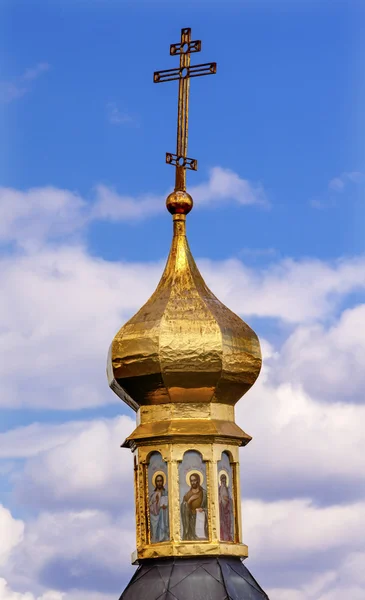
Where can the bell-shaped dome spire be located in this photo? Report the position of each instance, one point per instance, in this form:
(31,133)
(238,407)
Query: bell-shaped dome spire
(183,345)
(182,362)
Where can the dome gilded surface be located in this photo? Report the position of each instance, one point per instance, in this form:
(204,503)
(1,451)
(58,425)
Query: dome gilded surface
(183,345)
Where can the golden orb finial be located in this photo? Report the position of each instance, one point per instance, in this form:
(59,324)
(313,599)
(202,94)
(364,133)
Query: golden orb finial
(179,202)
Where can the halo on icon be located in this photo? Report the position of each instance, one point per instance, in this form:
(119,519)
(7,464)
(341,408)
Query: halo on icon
(223,472)
(194,472)
(163,475)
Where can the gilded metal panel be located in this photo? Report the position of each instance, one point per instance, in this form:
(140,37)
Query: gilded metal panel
(184,345)
(173,454)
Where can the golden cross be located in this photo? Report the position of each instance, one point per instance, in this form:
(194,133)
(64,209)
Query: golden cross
(183,73)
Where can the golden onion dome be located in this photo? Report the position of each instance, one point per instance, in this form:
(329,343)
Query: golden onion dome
(183,345)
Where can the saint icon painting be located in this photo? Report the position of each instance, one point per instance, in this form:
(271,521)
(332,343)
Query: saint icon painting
(225,499)
(158,499)
(193,497)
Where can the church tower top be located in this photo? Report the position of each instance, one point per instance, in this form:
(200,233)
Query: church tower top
(183,345)
(182,362)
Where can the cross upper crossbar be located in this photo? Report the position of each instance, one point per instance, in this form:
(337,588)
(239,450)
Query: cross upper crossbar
(183,74)
(178,73)
(186,47)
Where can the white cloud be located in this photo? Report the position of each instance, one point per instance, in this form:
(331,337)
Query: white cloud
(37,215)
(223,185)
(76,550)
(340,592)
(259,252)
(338,184)
(73,462)
(328,363)
(300,446)
(296,441)
(116,117)
(18,86)
(292,291)
(312,546)
(33,439)
(311,590)
(10,91)
(335,584)
(111,206)
(61,307)
(80,464)
(79,594)
(6,593)
(89,469)
(11,533)
(59,311)
(29,218)
(353,568)
(34,72)
(304,528)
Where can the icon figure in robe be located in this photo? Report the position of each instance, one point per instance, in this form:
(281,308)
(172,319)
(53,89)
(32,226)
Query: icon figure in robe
(225,511)
(159,513)
(194,511)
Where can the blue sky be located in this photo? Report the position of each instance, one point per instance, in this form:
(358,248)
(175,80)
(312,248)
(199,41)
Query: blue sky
(284,103)
(277,230)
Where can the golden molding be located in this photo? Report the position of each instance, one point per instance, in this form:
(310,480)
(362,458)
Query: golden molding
(185,549)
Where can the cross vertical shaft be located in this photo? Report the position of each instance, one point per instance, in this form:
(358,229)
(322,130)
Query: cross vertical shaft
(183,111)
(183,73)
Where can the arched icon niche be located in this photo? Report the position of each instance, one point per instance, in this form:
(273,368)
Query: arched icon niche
(158,499)
(225,499)
(193,497)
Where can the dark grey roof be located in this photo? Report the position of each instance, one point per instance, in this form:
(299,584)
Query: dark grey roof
(197,578)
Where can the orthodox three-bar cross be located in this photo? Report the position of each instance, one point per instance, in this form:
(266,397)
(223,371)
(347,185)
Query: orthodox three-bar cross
(183,73)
